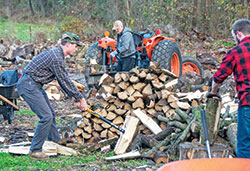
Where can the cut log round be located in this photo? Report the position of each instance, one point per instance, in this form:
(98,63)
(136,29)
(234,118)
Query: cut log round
(125,76)
(78,131)
(147,90)
(130,90)
(118,120)
(134,79)
(86,135)
(138,104)
(97,127)
(111,116)
(160,157)
(122,95)
(163,77)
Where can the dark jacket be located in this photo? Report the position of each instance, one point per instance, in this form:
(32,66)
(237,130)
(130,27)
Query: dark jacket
(125,43)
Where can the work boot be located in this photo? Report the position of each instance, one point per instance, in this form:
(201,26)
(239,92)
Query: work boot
(38,155)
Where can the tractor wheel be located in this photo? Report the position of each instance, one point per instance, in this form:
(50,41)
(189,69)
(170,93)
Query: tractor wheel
(190,63)
(168,55)
(94,52)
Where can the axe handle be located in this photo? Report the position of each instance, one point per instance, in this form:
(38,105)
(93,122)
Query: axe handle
(105,120)
(206,137)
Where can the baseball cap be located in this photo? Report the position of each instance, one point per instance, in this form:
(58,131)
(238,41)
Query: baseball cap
(117,24)
(72,38)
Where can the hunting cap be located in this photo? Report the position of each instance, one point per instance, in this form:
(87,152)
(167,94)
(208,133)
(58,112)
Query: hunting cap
(117,24)
(72,38)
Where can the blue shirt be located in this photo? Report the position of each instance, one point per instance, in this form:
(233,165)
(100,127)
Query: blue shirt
(49,65)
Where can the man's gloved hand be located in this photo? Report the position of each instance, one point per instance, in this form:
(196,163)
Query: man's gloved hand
(113,54)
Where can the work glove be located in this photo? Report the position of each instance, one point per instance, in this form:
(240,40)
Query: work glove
(113,54)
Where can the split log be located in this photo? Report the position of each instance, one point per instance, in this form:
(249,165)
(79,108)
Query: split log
(157,84)
(111,116)
(151,104)
(106,79)
(118,77)
(147,121)
(130,90)
(122,95)
(149,77)
(134,79)
(138,104)
(126,139)
(123,85)
(142,75)
(139,86)
(118,120)
(147,90)
(213,108)
(163,77)
(125,76)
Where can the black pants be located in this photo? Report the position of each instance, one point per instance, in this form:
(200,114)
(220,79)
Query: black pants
(126,64)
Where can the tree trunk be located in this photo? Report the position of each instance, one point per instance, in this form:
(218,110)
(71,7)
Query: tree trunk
(31,8)
(246,9)
(194,19)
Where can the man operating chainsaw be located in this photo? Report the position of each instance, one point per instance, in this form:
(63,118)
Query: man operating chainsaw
(237,61)
(125,47)
(44,68)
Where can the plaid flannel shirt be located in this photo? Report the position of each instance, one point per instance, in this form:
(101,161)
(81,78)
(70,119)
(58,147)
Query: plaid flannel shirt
(49,65)
(237,61)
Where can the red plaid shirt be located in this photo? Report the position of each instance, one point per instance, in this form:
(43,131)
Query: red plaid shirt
(237,61)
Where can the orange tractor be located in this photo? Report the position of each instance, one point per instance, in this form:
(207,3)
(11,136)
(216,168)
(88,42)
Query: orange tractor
(149,47)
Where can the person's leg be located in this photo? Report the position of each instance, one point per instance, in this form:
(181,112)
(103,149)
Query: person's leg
(33,95)
(128,64)
(119,66)
(53,133)
(243,132)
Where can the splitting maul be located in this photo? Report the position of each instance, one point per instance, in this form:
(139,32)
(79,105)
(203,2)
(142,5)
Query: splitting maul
(105,120)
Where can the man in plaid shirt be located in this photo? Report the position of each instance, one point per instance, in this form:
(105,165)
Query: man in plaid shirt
(44,68)
(237,61)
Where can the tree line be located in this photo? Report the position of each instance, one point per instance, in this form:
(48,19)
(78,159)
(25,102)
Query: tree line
(213,17)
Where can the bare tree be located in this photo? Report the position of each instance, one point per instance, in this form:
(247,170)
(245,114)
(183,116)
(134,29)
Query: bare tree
(246,9)
(194,19)
(31,8)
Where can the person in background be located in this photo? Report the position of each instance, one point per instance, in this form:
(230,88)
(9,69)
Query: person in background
(44,68)
(125,47)
(237,61)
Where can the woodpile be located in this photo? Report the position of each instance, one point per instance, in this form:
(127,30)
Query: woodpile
(167,117)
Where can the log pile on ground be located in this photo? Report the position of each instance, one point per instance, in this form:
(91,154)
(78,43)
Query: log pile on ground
(167,117)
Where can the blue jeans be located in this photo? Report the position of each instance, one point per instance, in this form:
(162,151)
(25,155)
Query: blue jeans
(243,132)
(37,99)
(126,64)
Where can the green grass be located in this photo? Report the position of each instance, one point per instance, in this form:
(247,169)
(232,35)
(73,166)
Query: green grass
(228,44)
(89,160)
(14,162)
(25,31)
(25,112)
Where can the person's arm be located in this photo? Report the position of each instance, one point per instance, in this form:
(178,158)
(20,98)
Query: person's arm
(226,69)
(215,87)
(58,68)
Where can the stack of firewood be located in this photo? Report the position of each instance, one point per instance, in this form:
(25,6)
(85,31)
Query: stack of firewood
(151,90)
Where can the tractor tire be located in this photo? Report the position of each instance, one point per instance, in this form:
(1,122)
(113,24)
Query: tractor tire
(94,52)
(168,55)
(190,63)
